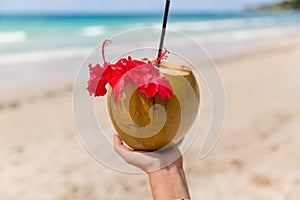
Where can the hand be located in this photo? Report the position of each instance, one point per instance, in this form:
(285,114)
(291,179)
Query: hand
(148,161)
(165,171)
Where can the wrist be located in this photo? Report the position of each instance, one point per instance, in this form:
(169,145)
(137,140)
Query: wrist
(171,180)
(166,170)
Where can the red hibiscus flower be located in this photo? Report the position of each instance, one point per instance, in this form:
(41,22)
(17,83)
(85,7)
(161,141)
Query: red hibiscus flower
(145,75)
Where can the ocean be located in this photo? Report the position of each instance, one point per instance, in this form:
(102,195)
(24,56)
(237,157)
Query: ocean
(32,38)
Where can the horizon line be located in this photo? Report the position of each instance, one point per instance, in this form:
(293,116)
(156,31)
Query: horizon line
(117,13)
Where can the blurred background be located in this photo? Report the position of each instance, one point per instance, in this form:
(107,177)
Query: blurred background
(255,44)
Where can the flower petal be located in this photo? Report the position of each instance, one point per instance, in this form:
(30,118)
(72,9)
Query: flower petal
(96,84)
(143,74)
(101,89)
(165,92)
(149,90)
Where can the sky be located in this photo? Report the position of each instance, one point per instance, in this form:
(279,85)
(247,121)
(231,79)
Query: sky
(117,6)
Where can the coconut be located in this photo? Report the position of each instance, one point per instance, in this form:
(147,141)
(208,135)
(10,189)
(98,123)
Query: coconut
(150,124)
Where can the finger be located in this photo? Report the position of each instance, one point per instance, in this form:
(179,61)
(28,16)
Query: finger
(119,147)
(118,143)
(130,156)
(117,140)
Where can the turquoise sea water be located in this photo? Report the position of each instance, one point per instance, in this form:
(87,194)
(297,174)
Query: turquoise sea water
(38,36)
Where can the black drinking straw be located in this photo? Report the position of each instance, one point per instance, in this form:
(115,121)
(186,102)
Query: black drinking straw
(164,26)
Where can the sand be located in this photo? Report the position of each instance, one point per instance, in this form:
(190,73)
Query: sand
(257,157)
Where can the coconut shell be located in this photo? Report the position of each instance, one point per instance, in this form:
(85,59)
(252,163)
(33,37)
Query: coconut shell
(149,124)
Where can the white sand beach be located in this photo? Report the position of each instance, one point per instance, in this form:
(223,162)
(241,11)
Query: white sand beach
(256,158)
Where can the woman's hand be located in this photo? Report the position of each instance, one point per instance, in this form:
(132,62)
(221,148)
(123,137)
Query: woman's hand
(166,176)
(148,161)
